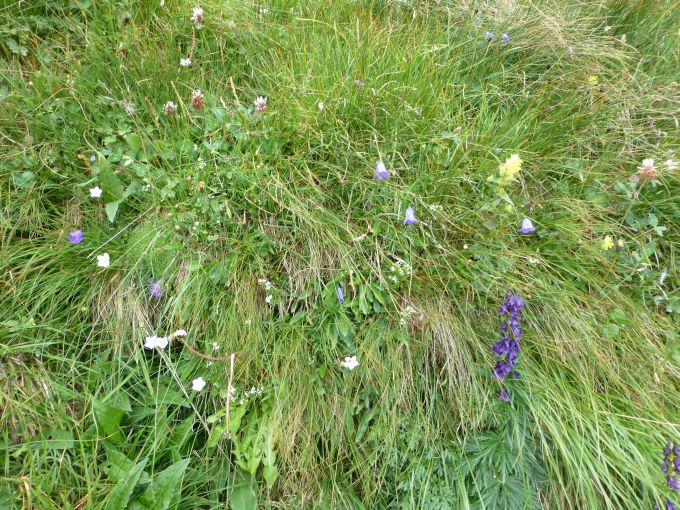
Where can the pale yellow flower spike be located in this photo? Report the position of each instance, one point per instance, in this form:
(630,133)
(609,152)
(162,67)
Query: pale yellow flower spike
(607,243)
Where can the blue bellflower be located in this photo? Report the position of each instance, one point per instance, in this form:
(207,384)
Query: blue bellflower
(488,35)
(341,295)
(156,290)
(505,38)
(410,217)
(76,236)
(507,348)
(526,227)
(380,171)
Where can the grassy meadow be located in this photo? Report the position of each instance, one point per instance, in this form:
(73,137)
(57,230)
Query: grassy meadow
(184,191)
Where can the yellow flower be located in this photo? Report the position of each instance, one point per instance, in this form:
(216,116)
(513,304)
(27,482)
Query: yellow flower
(593,80)
(509,170)
(607,243)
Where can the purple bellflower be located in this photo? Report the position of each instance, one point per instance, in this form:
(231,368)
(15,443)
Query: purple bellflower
(526,227)
(507,348)
(76,236)
(505,38)
(380,171)
(410,217)
(341,295)
(488,35)
(671,457)
(155,289)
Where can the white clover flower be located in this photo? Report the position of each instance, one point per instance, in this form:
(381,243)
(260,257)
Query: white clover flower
(269,298)
(179,332)
(96,192)
(185,62)
(103,260)
(260,103)
(198,384)
(197,15)
(350,362)
(169,108)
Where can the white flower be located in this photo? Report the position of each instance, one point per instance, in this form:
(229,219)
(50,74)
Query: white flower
(103,260)
(249,322)
(216,346)
(180,332)
(260,103)
(671,164)
(153,342)
(320,105)
(269,298)
(197,15)
(264,10)
(185,62)
(647,163)
(93,158)
(95,192)
(350,362)
(198,384)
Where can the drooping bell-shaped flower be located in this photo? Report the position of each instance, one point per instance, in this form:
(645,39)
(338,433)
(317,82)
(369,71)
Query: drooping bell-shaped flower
(488,35)
(155,289)
(526,227)
(341,295)
(410,217)
(381,172)
(76,236)
(505,38)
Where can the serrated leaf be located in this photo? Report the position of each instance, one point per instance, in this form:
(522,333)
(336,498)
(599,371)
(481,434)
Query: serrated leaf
(119,496)
(164,486)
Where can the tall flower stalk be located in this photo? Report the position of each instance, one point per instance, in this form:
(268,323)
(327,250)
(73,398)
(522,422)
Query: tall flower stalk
(507,348)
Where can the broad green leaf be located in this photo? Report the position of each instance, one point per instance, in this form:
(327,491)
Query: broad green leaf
(243,496)
(119,497)
(134,142)
(164,486)
(108,416)
(112,210)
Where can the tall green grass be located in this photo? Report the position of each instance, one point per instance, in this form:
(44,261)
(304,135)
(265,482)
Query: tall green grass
(223,196)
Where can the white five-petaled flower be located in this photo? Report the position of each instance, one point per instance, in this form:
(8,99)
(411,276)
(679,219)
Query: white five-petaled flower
(198,384)
(153,342)
(103,260)
(185,62)
(350,362)
(179,332)
(197,15)
(260,103)
(95,192)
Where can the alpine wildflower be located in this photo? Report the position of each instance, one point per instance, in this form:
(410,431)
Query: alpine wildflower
(103,260)
(505,38)
(260,103)
(671,164)
(507,348)
(95,192)
(76,236)
(381,172)
(488,35)
(341,295)
(647,171)
(169,108)
(179,332)
(198,384)
(185,62)
(508,171)
(593,80)
(156,342)
(526,227)
(410,217)
(155,289)
(350,362)
(197,99)
(197,15)
(607,243)
(320,106)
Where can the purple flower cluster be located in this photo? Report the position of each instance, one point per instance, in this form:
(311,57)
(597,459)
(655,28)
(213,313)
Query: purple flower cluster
(671,458)
(507,348)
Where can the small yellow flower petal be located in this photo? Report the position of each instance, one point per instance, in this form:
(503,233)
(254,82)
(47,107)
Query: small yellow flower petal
(607,243)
